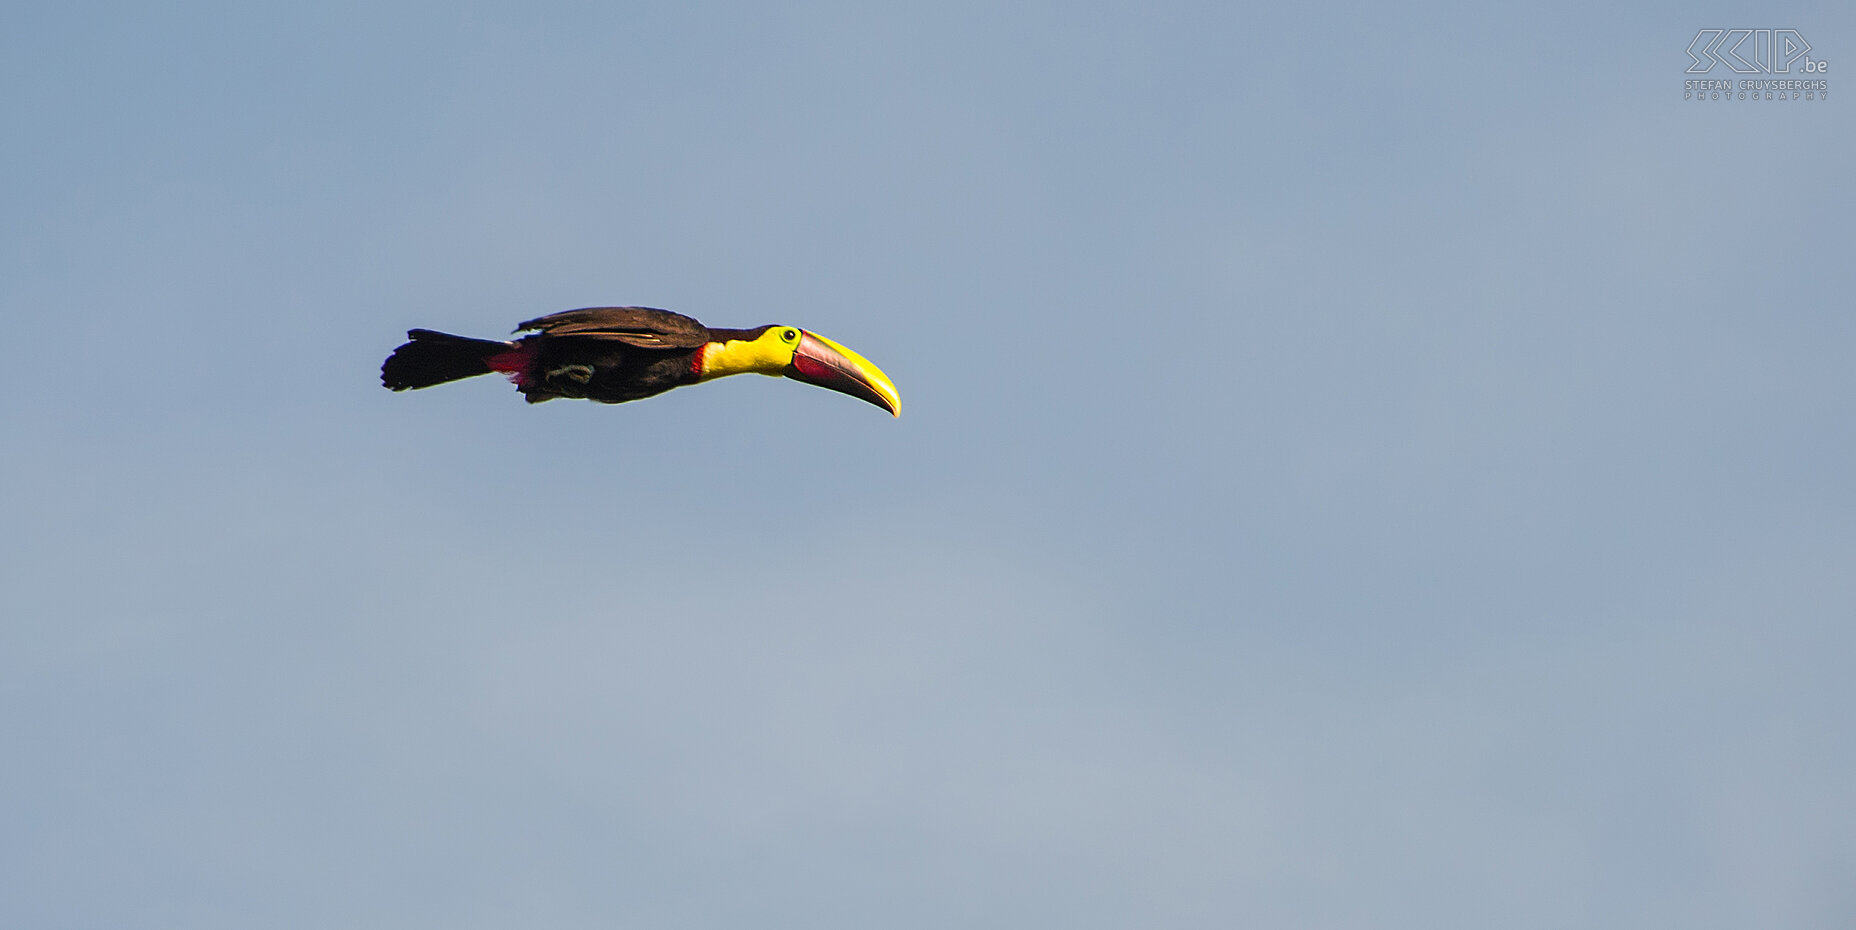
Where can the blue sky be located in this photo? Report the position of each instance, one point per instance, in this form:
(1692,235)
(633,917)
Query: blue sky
(1360,468)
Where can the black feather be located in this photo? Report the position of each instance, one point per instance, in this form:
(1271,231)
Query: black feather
(434,358)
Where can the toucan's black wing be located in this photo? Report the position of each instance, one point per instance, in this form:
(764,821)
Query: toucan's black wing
(643,327)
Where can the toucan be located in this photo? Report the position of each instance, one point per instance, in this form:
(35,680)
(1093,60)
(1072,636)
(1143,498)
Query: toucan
(616,354)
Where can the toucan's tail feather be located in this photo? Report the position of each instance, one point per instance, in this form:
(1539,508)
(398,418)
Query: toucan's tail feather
(434,358)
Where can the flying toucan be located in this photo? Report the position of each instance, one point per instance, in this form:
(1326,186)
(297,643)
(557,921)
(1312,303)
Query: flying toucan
(616,354)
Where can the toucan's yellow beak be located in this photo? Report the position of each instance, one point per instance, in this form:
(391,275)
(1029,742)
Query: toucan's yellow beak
(829,365)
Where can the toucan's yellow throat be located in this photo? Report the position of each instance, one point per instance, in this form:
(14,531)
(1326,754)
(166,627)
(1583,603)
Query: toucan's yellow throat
(794,353)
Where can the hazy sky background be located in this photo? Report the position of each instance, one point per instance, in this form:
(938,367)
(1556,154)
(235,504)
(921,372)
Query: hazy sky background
(1360,468)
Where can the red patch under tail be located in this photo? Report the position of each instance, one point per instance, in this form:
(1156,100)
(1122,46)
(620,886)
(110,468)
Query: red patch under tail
(513,363)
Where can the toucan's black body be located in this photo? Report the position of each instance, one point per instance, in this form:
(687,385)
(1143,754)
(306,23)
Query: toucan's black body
(618,354)
(618,372)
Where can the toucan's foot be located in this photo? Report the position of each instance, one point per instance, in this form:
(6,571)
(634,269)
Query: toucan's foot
(580,373)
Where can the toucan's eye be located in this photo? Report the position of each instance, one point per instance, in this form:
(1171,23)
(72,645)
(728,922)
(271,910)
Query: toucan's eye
(790,335)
